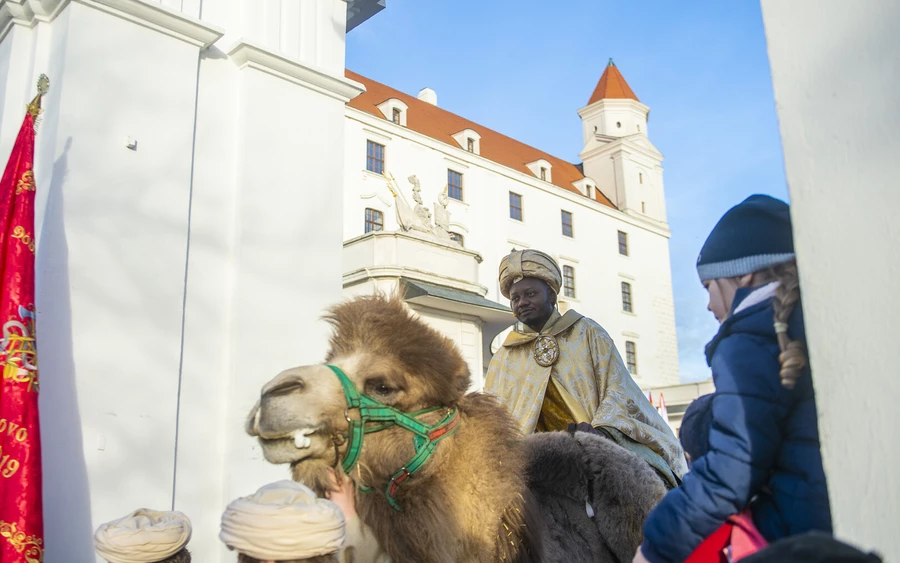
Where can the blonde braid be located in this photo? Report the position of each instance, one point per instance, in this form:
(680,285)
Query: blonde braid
(793,357)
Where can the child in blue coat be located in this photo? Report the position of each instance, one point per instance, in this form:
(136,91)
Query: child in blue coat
(763,439)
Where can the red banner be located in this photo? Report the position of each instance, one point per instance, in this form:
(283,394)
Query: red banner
(21,518)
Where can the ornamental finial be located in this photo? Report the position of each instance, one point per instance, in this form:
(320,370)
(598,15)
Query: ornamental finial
(611,63)
(43,86)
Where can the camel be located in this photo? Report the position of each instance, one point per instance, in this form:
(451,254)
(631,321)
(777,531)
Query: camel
(485,494)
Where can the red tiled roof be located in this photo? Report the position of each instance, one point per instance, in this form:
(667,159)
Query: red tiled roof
(441,125)
(612,85)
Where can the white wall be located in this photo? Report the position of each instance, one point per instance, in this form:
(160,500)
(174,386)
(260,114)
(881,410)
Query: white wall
(112,229)
(834,70)
(308,31)
(265,262)
(175,279)
(483,218)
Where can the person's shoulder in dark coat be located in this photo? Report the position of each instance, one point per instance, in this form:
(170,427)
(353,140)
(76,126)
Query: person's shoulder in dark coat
(763,446)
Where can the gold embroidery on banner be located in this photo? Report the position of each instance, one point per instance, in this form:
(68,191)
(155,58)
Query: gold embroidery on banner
(27,240)
(18,350)
(26,182)
(32,547)
(8,466)
(9,427)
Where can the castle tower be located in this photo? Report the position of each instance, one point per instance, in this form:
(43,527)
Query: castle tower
(617,153)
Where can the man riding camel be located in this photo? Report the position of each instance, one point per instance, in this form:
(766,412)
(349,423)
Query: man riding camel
(556,370)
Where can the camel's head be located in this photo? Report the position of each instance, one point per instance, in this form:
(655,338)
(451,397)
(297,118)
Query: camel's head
(389,355)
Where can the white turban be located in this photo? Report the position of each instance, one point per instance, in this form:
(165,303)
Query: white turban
(283,520)
(528,263)
(144,536)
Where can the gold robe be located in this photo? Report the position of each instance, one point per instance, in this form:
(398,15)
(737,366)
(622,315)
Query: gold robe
(587,383)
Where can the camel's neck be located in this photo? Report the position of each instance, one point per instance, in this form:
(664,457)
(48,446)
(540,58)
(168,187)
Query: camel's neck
(463,496)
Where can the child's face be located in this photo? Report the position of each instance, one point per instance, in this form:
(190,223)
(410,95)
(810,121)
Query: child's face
(721,295)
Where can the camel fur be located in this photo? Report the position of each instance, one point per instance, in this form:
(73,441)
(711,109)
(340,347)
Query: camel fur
(486,495)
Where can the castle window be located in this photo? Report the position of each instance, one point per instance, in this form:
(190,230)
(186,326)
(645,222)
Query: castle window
(567,229)
(631,356)
(569,281)
(618,124)
(515,206)
(394,110)
(627,305)
(623,243)
(374,157)
(374,220)
(454,185)
(458,238)
(543,173)
(470,144)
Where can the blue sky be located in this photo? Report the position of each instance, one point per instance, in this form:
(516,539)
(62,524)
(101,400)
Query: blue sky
(524,68)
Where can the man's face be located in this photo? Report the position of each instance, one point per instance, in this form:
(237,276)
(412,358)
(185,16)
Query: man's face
(531,301)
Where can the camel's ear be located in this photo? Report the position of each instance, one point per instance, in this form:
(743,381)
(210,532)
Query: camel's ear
(252,424)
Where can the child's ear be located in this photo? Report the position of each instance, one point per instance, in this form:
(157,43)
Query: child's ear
(746,281)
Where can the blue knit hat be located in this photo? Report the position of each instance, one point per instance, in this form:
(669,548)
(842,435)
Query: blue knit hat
(750,237)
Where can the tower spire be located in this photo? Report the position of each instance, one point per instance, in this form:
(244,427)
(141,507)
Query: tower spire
(612,85)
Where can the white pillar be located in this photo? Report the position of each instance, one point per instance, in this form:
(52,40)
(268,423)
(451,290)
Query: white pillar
(834,70)
(176,275)
(265,247)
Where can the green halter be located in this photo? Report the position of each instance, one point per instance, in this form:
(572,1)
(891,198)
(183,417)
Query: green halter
(425,439)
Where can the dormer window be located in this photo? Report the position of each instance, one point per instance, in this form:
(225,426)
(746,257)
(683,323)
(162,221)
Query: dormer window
(468,140)
(585,186)
(542,169)
(394,110)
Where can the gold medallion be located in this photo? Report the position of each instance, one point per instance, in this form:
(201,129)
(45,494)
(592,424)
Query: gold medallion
(546,350)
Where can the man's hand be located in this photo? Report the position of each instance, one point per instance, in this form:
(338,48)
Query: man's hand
(341,493)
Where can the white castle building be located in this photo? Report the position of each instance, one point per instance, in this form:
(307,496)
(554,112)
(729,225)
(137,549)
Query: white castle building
(603,220)
(199,172)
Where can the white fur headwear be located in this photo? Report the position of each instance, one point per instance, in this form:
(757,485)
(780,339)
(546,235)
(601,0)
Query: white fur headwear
(283,520)
(144,536)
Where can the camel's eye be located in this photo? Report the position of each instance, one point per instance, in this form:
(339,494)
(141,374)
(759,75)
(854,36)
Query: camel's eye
(379,388)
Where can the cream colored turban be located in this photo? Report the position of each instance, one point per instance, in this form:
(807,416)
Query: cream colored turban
(283,520)
(528,264)
(144,536)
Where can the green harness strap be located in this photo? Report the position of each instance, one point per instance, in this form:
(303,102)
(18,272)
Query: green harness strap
(425,439)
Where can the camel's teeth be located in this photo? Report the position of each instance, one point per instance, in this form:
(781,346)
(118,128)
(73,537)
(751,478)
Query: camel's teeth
(301,441)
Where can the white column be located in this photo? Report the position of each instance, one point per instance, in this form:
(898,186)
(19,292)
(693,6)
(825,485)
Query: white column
(264,263)
(834,70)
(112,235)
